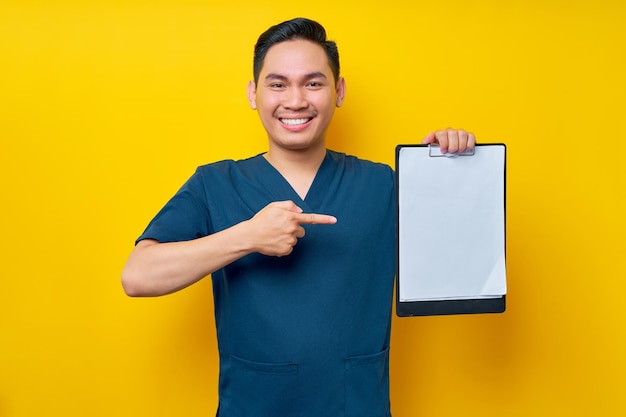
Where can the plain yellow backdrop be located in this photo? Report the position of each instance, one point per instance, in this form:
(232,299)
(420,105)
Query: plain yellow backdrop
(107,107)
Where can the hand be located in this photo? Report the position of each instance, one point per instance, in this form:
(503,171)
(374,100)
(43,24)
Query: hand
(277,227)
(451,140)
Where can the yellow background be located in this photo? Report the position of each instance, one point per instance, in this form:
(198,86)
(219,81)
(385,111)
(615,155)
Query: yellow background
(107,107)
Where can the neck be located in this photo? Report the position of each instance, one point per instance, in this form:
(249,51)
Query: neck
(296,160)
(298,167)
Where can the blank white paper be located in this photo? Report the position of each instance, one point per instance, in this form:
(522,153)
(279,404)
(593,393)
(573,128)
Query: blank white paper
(451,217)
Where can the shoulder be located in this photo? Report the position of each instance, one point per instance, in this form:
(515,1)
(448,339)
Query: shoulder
(229,170)
(228,165)
(221,175)
(354,163)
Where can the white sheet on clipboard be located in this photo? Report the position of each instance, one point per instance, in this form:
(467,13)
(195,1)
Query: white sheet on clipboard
(451,224)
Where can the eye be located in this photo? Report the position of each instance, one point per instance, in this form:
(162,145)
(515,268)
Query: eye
(315,84)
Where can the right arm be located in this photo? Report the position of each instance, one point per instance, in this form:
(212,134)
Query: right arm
(155,268)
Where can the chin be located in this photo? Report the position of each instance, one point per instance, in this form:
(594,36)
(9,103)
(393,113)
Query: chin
(298,144)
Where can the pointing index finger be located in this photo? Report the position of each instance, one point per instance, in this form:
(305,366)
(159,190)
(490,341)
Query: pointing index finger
(313,218)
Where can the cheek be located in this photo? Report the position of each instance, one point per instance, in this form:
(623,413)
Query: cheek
(266,114)
(327,107)
(325,103)
(266,105)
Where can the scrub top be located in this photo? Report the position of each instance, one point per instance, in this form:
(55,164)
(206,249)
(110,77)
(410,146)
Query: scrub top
(306,334)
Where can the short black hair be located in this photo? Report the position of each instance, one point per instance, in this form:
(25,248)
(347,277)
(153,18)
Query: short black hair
(299,28)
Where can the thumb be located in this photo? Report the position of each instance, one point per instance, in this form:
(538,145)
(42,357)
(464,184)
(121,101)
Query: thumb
(288,205)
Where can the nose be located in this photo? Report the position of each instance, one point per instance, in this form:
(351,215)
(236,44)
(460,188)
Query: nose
(295,99)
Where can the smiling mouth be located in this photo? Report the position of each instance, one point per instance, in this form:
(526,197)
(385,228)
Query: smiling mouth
(296,122)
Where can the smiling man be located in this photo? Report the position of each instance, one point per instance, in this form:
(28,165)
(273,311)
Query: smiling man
(299,242)
(296,92)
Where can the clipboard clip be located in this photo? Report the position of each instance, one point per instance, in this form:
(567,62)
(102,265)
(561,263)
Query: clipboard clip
(433,151)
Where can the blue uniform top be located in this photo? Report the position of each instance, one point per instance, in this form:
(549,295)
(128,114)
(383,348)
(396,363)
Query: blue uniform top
(307,334)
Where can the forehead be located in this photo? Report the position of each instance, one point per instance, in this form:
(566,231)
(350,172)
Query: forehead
(295,57)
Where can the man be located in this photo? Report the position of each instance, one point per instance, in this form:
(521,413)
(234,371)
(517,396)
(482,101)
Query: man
(300,244)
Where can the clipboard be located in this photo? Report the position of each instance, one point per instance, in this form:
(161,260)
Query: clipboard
(450,230)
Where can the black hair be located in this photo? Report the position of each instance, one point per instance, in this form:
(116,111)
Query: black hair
(299,28)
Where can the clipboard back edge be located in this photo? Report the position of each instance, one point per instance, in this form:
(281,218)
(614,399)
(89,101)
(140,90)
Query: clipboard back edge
(450,307)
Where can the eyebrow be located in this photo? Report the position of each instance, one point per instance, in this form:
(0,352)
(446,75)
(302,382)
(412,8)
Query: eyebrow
(273,76)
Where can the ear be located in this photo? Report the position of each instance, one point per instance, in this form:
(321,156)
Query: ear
(252,94)
(341,91)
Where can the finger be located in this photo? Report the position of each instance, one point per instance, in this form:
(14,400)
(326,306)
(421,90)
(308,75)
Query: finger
(287,205)
(300,232)
(429,139)
(312,218)
(463,139)
(453,140)
(442,140)
(471,140)
(286,252)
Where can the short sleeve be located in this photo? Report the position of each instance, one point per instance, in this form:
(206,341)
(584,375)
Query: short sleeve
(184,217)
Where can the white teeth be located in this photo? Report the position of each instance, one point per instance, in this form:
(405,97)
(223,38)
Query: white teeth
(293,122)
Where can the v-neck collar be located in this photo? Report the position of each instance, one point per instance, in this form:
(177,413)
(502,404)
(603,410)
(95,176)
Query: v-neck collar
(280,189)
